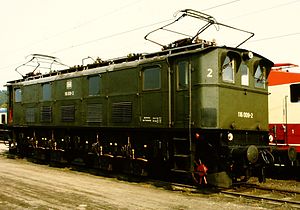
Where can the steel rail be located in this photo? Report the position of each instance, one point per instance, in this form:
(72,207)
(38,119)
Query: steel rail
(262,198)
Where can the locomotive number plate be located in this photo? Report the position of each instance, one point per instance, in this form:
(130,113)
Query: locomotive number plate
(69,93)
(249,115)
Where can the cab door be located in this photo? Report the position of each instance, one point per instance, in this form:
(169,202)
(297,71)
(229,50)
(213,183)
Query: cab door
(182,157)
(181,93)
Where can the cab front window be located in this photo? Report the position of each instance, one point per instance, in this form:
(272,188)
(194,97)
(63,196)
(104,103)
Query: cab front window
(244,74)
(260,77)
(228,67)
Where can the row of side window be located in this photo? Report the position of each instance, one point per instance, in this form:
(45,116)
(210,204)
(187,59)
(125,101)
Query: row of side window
(228,72)
(151,81)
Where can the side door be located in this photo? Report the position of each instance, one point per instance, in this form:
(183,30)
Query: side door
(153,94)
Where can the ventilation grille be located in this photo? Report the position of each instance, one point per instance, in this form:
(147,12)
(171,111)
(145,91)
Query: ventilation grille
(30,115)
(122,112)
(68,113)
(46,114)
(94,113)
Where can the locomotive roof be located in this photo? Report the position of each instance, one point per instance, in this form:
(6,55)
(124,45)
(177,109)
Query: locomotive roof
(117,64)
(109,65)
(284,73)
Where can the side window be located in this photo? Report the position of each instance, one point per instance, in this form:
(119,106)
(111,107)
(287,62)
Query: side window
(182,75)
(260,77)
(18,95)
(228,67)
(46,92)
(152,78)
(94,85)
(244,74)
(295,93)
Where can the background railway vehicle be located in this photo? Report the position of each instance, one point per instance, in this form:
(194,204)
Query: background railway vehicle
(4,132)
(284,114)
(3,116)
(192,110)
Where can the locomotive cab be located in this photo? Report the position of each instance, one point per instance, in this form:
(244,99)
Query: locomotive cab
(220,94)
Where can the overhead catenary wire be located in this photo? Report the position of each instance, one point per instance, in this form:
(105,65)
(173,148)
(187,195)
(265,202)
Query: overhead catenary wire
(220,5)
(276,37)
(109,13)
(76,27)
(110,36)
(132,30)
(210,8)
(98,39)
(263,10)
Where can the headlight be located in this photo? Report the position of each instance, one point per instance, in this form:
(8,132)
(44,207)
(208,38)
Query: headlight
(271,138)
(230,136)
(247,55)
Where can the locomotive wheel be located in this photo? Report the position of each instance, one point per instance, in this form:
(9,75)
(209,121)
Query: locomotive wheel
(106,162)
(199,173)
(139,166)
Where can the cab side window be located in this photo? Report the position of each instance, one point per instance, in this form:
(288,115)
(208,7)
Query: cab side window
(152,78)
(182,75)
(18,95)
(46,92)
(94,85)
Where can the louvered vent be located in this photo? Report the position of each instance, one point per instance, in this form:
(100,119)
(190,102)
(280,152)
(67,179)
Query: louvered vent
(30,115)
(68,113)
(94,112)
(122,112)
(46,114)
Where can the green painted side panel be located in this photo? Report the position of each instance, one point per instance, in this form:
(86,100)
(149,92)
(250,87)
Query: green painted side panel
(123,102)
(245,110)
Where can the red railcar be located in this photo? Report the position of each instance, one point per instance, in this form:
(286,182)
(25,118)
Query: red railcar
(284,113)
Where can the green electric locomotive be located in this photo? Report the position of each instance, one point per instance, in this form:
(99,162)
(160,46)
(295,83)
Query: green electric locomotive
(193,110)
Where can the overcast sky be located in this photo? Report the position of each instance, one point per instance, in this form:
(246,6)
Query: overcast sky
(74,29)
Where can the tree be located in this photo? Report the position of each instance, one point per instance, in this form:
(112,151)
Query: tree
(3,99)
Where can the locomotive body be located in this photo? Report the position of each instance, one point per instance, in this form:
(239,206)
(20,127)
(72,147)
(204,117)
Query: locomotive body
(166,112)
(195,110)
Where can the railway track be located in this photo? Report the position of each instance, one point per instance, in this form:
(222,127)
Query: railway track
(272,196)
(292,203)
(268,195)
